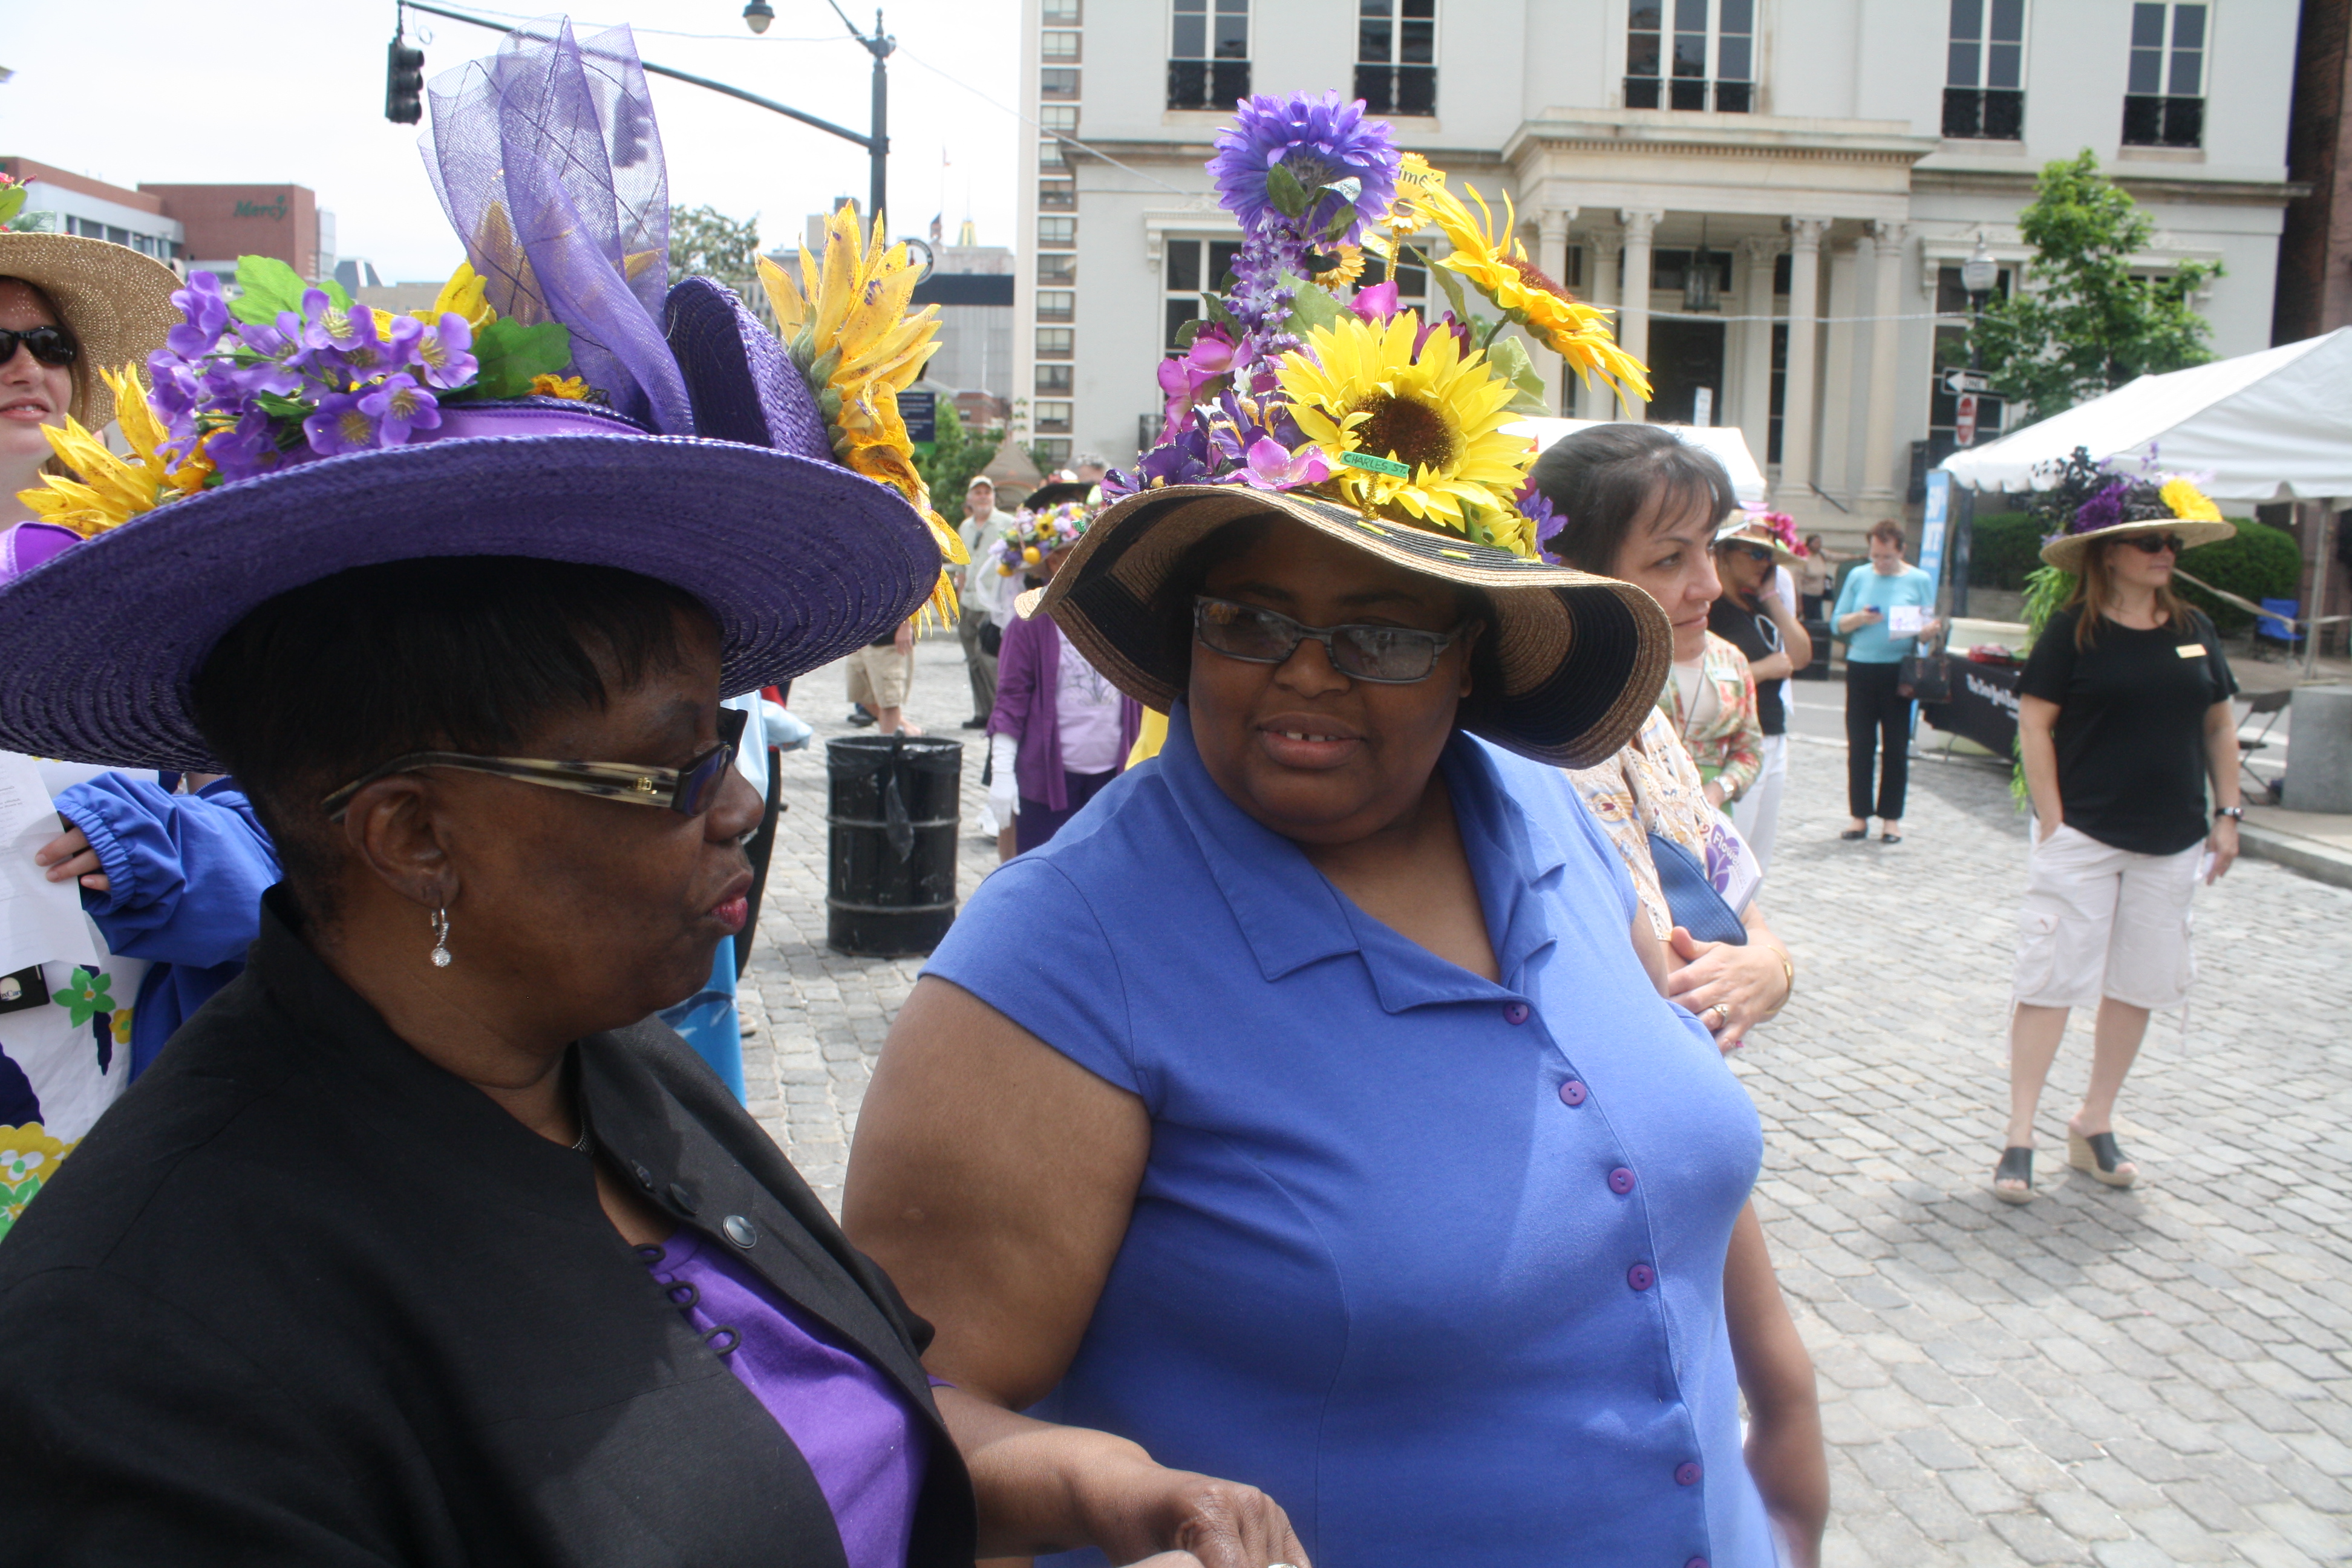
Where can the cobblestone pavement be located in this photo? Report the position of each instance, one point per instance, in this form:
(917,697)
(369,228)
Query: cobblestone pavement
(2156,1376)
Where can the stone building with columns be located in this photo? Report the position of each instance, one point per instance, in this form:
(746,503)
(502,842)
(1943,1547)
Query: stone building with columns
(1775,196)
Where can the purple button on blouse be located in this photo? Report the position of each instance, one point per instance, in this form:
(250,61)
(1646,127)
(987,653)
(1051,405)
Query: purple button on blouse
(850,1422)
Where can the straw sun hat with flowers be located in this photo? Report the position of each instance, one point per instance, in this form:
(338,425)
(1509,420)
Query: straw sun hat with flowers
(116,304)
(1374,424)
(2090,501)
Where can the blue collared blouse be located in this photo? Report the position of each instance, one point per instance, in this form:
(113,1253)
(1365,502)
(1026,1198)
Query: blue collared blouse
(1436,1262)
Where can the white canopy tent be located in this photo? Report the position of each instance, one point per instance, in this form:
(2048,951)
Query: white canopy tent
(1728,447)
(2268,426)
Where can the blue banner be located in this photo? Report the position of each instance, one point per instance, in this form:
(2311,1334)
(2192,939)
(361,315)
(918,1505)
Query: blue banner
(1932,528)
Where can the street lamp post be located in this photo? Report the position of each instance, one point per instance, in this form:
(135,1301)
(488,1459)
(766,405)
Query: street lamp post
(880,44)
(1979,273)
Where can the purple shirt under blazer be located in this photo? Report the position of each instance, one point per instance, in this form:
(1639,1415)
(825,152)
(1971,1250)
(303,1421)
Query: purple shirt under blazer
(1028,672)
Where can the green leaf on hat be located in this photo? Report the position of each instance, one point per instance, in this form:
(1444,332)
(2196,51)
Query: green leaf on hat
(265,287)
(12,202)
(1186,334)
(1453,287)
(1309,306)
(337,295)
(510,355)
(1509,358)
(1216,311)
(1282,189)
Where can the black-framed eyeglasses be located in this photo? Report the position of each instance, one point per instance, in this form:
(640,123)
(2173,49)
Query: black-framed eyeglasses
(690,791)
(1386,655)
(1742,547)
(2149,544)
(52,346)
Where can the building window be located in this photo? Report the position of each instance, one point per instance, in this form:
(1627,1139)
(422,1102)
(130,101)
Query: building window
(1779,393)
(1050,156)
(1707,60)
(1052,418)
(1057,449)
(2164,103)
(1057,269)
(1984,71)
(1058,119)
(1396,56)
(1060,13)
(1187,277)
(1058,232)
(1059,47)
(1054,379)
(1208,53)
(1056,305)
(1057,195)
(1670,271)
(1061,84)
(1056,343)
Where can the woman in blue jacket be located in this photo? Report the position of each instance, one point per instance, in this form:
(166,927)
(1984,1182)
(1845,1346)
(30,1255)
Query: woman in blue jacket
(176,879)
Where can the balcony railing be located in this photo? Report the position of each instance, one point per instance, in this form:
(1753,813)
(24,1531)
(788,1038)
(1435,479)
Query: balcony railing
(1397,89)
(2153,121)
(1207,84)
(1689,93)
(1983,114)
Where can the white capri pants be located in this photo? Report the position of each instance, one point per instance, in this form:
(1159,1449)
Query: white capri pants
(1757,814)
(2102,922)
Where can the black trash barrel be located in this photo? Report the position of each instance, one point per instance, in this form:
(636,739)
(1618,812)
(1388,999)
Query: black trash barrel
(893,810)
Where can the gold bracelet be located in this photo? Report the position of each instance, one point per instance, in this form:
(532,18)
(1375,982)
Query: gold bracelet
(1789,977)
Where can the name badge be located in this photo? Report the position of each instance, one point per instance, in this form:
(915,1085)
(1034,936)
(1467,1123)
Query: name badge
(2190,650)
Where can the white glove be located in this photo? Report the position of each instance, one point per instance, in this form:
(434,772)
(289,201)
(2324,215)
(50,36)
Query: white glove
(1004,789)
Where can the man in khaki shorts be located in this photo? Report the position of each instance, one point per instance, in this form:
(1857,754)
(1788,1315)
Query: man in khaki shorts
(881,675)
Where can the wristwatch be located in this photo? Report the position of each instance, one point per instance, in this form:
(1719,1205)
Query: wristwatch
(2234,812)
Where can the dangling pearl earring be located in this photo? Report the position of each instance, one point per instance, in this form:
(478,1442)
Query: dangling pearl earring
(441,939)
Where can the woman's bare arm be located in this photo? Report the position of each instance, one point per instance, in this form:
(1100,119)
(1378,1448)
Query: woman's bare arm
(992,1177)
(1785,1454)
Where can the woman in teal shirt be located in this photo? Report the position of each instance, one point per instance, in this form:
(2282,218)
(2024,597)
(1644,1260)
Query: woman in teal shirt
(1873,661)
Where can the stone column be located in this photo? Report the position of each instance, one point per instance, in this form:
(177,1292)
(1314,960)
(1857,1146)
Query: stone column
(1883,482)
(1551,256)
(1755,403)
(1634,320)
(1796,403)
(1604,246)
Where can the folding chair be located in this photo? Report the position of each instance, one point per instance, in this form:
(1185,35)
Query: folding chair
(2266,707)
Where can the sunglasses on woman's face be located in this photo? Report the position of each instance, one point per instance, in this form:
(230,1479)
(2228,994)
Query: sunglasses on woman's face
(1385,656)
(690,791)
(1741,547)
(51,345)
(2149,544)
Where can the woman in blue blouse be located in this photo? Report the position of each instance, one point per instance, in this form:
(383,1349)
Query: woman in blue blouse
(1307,1114)
(1875,708)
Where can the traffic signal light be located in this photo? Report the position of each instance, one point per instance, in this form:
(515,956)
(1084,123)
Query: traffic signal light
(403,82)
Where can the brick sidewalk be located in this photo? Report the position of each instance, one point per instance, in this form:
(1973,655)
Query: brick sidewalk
(2162,1375)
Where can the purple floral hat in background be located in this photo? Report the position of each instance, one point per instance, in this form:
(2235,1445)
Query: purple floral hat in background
(551,403)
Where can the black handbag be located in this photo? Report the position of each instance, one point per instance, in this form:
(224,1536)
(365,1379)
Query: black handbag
(991,639)
(1925,677)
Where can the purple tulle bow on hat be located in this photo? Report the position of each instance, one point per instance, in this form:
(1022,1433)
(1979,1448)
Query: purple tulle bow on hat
(549,165)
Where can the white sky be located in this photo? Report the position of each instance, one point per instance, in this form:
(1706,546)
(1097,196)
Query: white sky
(273,92)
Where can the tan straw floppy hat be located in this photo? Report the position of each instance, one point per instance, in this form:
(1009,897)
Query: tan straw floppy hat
(1581,657)
(115,301)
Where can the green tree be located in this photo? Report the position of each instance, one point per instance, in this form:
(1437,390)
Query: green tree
(2088,325)
(955,456)
(706,243)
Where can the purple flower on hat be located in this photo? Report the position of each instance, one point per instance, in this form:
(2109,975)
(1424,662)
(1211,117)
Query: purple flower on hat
(245,449)
(1269,468)
(398,404)
(2104,509)
(1200,371)
(444,352)
(1536,508)
(1320,142)
(340,425)
(1377,303)
(206,313)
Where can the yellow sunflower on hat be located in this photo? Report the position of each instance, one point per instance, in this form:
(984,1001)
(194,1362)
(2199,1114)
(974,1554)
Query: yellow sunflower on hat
(1361,391)
(1498,266)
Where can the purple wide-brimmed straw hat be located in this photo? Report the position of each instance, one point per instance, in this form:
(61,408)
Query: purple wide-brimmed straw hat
(696,456)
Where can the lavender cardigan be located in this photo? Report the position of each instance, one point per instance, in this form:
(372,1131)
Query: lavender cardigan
(1028,674)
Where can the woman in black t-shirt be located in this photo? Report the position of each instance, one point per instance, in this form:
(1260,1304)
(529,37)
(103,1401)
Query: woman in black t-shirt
(2124,716)
(1754,615)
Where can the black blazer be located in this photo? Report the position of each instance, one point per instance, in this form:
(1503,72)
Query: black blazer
(303,1296)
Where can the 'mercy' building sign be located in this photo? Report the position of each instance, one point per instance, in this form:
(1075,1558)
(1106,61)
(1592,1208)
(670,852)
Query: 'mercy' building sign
(261,209)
